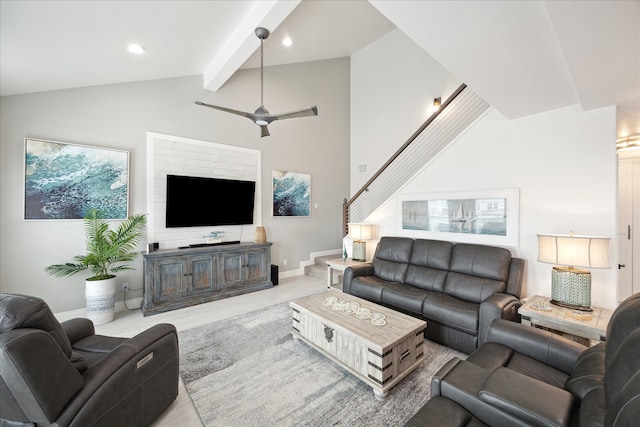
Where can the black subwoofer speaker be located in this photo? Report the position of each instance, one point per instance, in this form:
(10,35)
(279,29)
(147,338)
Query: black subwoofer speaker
(274,274)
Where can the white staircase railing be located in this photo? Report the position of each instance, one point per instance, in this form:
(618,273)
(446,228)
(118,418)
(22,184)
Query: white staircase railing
(455,115)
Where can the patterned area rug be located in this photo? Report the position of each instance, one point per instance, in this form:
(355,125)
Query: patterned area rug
(249,371)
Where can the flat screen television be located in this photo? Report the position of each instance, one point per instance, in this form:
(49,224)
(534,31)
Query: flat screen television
(199,202)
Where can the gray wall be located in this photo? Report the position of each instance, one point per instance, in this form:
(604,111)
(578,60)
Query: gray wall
(118,116)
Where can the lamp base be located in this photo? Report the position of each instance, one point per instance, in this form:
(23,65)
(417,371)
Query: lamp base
(359,250)
(571,287)
(571,306)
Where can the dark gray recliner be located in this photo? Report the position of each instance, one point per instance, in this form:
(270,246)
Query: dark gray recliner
(63,374)
(523,376)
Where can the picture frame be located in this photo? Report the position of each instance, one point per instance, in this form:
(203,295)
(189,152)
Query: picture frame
(479,216)
(62,181)
(291,194)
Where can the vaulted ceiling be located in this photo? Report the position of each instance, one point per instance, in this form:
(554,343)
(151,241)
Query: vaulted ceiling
(523,57)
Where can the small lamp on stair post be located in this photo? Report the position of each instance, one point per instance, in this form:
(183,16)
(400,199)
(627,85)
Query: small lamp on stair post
(359,232)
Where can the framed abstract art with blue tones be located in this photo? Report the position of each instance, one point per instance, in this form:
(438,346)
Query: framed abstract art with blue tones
(291,194)
(64,181)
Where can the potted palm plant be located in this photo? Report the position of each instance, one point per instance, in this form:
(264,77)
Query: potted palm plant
(108,252)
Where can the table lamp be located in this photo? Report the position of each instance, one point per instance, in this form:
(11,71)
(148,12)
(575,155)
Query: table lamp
(360,233)
(571,286)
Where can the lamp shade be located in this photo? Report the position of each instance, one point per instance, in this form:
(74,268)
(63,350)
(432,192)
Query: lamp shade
(574,251)
(360,231)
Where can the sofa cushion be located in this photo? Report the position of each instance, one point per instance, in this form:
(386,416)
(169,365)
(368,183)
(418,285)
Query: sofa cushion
(491,355)
(532,368)
(426,278)
(451,312)
(471,288)
(588,372)
(531,401)
(404,298)
(22,311)
(592,408)
(368,287)
(429,264)
(489,262)
(621,370)
(431,253)
(624,320)
(392,258)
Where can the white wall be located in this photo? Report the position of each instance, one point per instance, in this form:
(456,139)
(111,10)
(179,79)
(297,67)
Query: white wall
(564,164)
(563,161)
(393,84)
(119,116)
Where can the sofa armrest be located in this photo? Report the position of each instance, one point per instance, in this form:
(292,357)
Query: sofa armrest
(544,346)
(536,402)
(351,272)
(130,366)
(497,306)
(39,375)
(436,381)
(516,275)
(77,329)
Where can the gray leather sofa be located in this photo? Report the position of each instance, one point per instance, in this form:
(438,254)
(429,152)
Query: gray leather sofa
(459,289)
(66,375)
(523,376)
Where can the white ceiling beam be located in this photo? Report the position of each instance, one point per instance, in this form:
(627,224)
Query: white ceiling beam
(242,44)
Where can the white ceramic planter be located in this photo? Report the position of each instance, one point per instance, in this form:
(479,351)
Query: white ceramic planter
(101,299)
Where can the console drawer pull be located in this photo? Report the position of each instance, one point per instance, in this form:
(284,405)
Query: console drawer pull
(404,355)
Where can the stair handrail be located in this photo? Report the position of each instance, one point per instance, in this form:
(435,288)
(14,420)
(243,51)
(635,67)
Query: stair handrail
(394,156)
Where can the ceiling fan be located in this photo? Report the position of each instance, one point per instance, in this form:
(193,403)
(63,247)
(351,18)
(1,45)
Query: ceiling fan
(261,116)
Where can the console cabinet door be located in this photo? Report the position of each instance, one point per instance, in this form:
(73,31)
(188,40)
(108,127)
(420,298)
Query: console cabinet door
(203,270)
(232,269)
(170,278)
(258,267)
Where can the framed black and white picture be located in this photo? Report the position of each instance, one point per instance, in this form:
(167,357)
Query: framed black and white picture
(64,181)
(291,194)
(479,216)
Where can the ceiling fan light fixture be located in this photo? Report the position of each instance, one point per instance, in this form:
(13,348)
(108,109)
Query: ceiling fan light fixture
(262,122)
(136,49)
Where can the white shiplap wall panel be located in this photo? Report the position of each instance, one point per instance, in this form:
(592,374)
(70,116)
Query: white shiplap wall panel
(171,155)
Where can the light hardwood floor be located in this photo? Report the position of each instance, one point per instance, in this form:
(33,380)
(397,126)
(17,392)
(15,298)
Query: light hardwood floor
(128,323)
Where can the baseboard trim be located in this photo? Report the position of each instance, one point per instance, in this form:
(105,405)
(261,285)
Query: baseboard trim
(131,304)
(313,255)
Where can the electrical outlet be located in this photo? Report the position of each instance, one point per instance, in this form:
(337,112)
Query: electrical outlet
(125,286)
(284,261)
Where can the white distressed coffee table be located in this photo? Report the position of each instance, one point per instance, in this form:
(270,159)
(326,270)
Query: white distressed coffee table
(376,344)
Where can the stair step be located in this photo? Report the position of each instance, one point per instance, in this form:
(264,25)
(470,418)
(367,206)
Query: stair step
(322,260)
(319,268)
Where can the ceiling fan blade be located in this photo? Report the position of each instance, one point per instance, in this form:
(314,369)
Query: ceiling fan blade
(261,116)
(312,111)
(225,109)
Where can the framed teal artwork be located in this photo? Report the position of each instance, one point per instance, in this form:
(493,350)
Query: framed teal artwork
(64,181)
(291,194)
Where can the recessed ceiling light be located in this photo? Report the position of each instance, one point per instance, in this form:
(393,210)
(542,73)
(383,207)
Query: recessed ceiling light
(135,48)
(287,41)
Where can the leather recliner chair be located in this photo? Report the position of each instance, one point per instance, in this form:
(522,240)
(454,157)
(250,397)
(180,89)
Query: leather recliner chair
(64,374)
(523,376)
